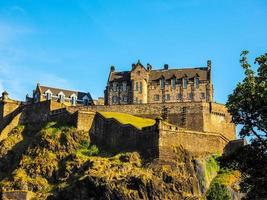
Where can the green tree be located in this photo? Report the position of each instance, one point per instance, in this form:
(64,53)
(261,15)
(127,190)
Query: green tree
(248,106)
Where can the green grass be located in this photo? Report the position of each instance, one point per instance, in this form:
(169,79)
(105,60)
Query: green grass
(123,118)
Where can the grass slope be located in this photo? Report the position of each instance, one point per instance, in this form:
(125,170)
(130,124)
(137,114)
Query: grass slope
(123,118)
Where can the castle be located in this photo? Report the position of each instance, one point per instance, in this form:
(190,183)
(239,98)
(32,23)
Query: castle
(180,101)
(145,85)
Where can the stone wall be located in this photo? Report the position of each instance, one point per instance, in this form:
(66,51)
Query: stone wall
(203,117)
(112,136)
(171,137)
(7,107)
(84,120)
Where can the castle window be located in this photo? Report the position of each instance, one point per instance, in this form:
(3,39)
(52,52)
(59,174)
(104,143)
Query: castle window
(185,82)
(124,98)
(203,96)
(141,87)
(156,97)
(167,97)
(124,86)
(191,95)
(114,99)
(173,83)
(114,87)
(180,97)
(161,83)
(138,72)
(73,100)
(197,82)
(48,96)
(61,98)
(136,86)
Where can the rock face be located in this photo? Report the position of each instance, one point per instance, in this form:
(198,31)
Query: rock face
(58,162)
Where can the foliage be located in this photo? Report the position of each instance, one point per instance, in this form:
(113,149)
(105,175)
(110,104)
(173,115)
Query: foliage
(248,103)
(124,118)
(218,192)
(248,106)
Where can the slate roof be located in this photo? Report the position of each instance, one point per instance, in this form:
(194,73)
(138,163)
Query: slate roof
(67,93)
(201,72)
(120,76)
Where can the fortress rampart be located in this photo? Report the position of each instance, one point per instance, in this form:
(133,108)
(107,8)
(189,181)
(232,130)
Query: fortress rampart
(198,127)
(195,116)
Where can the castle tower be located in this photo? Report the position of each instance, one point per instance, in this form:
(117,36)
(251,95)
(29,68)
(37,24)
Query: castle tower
(139,79)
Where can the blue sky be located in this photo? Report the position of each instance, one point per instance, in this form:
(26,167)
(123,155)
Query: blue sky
(72,43)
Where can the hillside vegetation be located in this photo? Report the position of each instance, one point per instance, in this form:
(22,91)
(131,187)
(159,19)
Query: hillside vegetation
(58,162)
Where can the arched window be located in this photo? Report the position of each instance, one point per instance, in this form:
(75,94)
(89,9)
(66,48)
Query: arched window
(141,87)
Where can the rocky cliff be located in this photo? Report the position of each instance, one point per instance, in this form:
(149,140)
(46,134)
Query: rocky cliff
(58,162)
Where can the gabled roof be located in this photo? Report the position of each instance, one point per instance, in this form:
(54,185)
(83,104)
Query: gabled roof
(120,76)
(201,72)
(67,93)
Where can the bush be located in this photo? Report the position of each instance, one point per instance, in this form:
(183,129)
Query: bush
(218,192)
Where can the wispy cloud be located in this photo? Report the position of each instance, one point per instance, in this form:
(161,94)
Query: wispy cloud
(17,9)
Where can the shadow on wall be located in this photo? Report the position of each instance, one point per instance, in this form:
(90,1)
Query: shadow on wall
(112,136)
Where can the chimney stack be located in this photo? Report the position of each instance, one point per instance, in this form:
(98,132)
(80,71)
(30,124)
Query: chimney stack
(166,66)
(209,64)
(112,68)
(148,67)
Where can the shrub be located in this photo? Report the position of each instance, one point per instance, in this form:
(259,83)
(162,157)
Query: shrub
(218,191)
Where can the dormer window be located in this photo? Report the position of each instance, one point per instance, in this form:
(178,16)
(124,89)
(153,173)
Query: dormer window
(73,99)
(48,95)
(61,97)
(85,100)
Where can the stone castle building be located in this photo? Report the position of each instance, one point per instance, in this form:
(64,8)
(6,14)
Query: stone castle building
(67,97)
(144,85)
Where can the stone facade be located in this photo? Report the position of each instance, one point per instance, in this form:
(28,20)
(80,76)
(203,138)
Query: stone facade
(143,85)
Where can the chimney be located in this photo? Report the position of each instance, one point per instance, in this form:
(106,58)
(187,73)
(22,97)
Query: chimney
(166,66)
(112,68)
(209,64)
(148,67)
(5,95)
